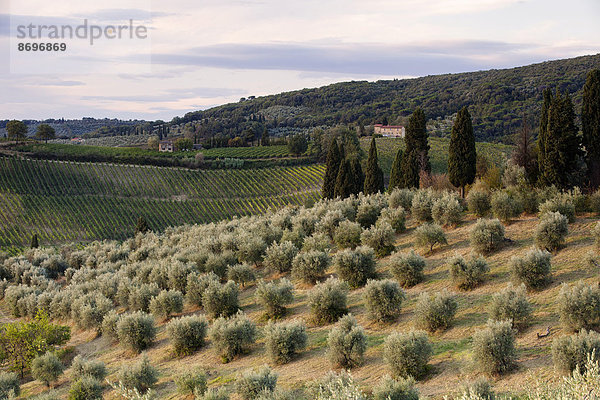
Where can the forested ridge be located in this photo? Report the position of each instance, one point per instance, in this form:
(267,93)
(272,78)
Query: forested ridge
(497,100)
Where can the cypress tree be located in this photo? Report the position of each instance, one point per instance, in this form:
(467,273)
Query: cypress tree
(264,140)
(541,142)
(590,119)
(34,241)
(416,139)
(462,156)
(343,182)
(333,165)
(142,225)
(562,145)
(374,175)
(396,178)
(410,170)
(357,174)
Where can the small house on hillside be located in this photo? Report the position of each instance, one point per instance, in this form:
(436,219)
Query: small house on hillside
(390,130)
(166,146)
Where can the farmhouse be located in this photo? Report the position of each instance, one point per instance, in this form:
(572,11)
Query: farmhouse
(389,130)
(166,146)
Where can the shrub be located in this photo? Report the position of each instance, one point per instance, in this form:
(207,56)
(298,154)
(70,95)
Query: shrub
(136,330)
(407,268)
(81,368)
(355,266)
(367,213)
(494,347)
(47,368)
(478,203)
(380,238)
(487,235)
(563,204)
(571,352)
(284,340)
(318,241)
(217,264)
(251,249)
(232,336)
(274,296)
(481,389)
(579,306)
(86,388)
(396,217)
(596,234)
(407,354)
(215,394)
(510,304)
(279,257)
(505,207)
(347,343)
(329,222)
(109,325)
(336,386)
(533,269)
(447,211)
(240,274)
(252,382)
(435,312)
(347,235)
(140,297)
(595,202)
(551,231)
(383,299)
(467,274)
(9,385)
(167,302)
(187,334)
(197,284)
(401,198)
(140,376)
(327,300)
(221,300)
(310,266)
(428,235)
(89,310)
(392,389)
(192,382)
(421,205)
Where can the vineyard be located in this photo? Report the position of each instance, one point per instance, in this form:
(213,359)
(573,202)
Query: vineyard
(68,201)
(247,152)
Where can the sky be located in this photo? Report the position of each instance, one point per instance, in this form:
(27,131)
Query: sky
(201,53)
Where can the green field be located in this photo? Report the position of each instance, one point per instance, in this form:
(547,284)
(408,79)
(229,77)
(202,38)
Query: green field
(247,152)
(438,154)
(71,201)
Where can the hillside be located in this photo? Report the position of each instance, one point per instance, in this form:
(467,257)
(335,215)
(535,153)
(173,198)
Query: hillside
(451,364)
(73,201)
(497,100)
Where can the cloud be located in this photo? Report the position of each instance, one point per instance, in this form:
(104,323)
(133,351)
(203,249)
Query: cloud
(114,15)
(358,58)
(171,95)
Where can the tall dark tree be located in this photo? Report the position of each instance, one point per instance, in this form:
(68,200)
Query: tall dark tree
(373,175)
(332,167)
(590,121)
(16,130)
(358,176)
(264,140)
(411,170)
(34,241)
(343,182)
(45,132)
(416,139)
(543,131)
(297,144)
(142,225)
(462,155)
(523,155)
(562,145)
(396,177)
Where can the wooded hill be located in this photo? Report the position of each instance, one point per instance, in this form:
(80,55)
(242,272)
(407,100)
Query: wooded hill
(497,100)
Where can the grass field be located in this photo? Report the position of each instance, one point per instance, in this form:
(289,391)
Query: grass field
(70,201)
(438,154)
(451,364)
